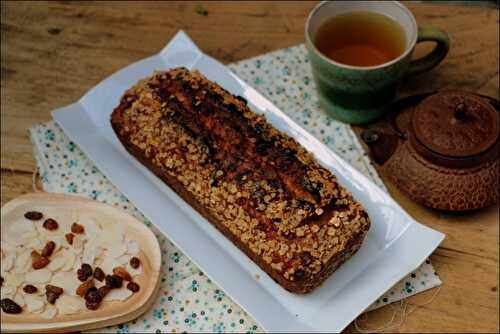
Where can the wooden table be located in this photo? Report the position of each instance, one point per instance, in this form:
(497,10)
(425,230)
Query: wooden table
(52,53)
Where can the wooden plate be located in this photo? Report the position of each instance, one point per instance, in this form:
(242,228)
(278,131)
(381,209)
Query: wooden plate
(109,313)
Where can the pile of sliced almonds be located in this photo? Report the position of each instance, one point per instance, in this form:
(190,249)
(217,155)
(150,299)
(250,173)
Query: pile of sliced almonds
(53,263)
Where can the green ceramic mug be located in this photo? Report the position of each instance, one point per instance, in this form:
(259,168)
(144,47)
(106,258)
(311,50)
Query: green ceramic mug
(361,94)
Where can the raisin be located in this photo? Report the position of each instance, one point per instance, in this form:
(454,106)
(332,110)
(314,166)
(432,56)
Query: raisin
(99,274)
(69,238)
(48,249)
(305,257)
(38,261)
(53,292)
(51,297)
(93,295)
(123,273)
(87,269)
(84,288)
(81,275)
(92,306)
(55,289)
(132,286)
(114,281)
(135,262)
(299,274)
(30,288)
(77,228)
(50,224)
(33,215)
(10,306)
(103,291)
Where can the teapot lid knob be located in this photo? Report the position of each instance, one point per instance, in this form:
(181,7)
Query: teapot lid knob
(460,111)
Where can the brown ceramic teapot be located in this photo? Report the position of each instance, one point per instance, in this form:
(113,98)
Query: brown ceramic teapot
(441,149)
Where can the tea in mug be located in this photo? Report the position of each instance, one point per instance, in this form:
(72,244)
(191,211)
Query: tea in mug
(361,39)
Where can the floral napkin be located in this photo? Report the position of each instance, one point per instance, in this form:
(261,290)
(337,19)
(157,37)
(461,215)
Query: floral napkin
(188,301)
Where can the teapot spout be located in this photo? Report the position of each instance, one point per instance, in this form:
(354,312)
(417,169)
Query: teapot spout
(381,143)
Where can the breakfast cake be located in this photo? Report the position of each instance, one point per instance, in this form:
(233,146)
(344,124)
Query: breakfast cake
(255,184)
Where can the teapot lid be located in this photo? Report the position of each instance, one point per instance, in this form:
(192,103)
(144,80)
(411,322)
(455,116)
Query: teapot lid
(456,124)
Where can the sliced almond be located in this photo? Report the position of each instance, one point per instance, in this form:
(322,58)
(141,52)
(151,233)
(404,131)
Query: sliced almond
(14,280)
(98,283)
(23,261)
(78,241)
(7,291)
(132,247)
(7,262)
(58,260)
(60,242)
(7,246)
(124,259)
(18,229)
(108,264)
(113,235)
(92,228)
(35,243)
(49,313)
(91,251)
(66,280)
(69,304)
(118,294)
(39,276)
(19,299)
(77,265)
(70,260)
(35,304)
(116,250)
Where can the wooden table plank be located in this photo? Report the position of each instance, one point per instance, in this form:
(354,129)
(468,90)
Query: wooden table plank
(52,53)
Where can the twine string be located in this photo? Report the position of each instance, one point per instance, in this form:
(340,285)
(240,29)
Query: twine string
(403,308)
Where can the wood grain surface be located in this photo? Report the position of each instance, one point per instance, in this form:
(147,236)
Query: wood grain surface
(52,53)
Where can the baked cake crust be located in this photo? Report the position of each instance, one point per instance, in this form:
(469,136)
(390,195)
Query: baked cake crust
(258,186)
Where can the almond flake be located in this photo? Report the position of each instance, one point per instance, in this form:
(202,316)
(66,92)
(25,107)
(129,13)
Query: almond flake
(69,304)
(7,291)
(132,247)
(118,294)
(109,264)
(66,280)
(124,259)
(70,260)
(23,262)
(34,303)
(116,250)
(7,262)
(18,298)
(49,313)
(39,276)
(58,260)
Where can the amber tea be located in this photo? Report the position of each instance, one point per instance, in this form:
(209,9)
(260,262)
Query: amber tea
(361,39)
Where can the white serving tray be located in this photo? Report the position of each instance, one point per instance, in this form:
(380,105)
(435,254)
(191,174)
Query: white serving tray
(395,245)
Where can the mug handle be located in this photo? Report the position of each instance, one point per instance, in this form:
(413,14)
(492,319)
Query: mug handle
(437,55)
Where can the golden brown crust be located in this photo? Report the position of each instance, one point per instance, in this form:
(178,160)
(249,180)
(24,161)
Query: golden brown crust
(256,185)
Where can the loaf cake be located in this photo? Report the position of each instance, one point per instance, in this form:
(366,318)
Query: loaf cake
(257,185)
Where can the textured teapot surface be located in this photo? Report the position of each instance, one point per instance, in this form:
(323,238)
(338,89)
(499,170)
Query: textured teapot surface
(446,154)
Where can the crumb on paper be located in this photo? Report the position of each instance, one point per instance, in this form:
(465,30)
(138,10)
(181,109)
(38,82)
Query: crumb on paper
(257,277)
